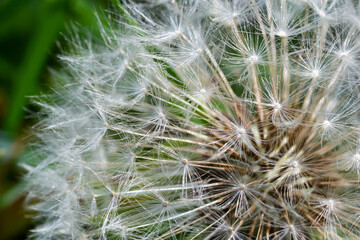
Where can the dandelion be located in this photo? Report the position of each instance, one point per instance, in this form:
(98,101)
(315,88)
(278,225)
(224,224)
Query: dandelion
(235,119)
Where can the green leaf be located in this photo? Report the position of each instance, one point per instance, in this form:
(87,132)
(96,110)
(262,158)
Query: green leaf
(35,57)
(11,195)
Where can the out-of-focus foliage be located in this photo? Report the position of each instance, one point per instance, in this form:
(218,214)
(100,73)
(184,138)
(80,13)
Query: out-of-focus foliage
(29,31)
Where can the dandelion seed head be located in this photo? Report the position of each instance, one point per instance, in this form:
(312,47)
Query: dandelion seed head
(204,120)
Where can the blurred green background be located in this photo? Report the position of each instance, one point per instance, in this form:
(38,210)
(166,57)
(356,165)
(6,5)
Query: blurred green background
(29,31)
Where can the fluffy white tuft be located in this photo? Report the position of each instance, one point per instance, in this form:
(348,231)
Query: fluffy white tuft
(234,119)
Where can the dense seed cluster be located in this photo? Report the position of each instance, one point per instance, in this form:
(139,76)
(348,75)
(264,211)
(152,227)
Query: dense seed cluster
(221,119)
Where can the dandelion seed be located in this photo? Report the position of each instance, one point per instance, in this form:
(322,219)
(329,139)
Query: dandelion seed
(277,106)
